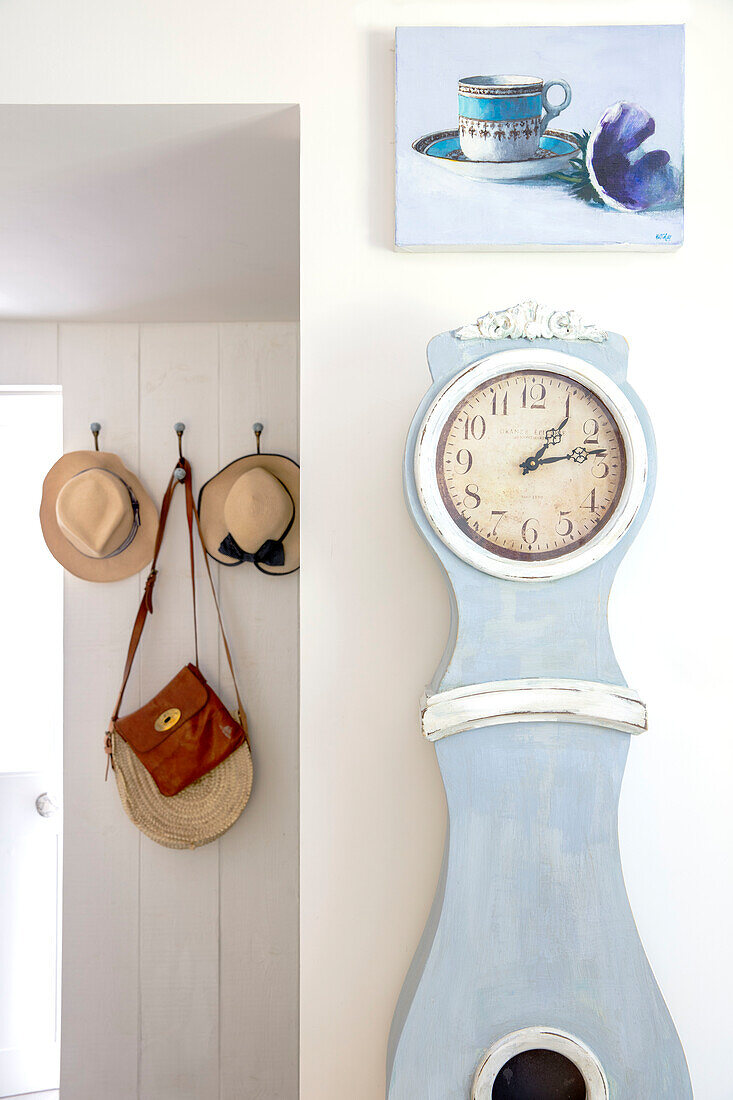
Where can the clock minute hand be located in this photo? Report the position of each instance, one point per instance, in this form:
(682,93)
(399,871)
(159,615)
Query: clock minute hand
(580,454)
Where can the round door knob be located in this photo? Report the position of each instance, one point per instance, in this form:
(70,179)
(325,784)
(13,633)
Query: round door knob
(46,806)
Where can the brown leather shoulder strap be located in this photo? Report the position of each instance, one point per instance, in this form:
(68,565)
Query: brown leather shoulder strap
(241,716)
(146,604)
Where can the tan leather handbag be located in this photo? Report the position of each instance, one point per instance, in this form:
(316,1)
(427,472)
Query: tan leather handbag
(185,731)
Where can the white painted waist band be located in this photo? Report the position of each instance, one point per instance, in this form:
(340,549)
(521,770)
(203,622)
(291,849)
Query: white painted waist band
(532,700)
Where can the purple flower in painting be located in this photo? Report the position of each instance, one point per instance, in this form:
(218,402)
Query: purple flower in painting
(623,176)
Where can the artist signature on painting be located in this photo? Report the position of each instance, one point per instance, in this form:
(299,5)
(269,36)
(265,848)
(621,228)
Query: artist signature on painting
(664,236)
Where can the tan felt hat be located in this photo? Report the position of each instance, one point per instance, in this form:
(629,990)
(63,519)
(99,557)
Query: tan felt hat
(97,519)
(250,512)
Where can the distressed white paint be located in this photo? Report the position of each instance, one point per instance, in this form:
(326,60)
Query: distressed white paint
(542,1038)
(180,969)
(530,321)
(533,699)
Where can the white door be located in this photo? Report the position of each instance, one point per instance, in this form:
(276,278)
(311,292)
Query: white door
(31,722)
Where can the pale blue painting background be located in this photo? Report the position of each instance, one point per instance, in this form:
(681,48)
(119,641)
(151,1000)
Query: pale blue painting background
(436,208)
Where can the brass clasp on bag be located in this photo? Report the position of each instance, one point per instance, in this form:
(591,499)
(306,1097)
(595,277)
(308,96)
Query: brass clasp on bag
(168,719)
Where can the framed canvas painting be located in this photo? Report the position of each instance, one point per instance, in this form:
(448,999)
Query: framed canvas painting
(539,137)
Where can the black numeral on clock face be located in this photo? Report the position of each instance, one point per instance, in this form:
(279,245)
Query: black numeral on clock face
(499,516)
(590,501)
(501,407)
(530,534)
(464,460)
(591,428)
(533,395)
(476,425)
(472,498)
(564,525)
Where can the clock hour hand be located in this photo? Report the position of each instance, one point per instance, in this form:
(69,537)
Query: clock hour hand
(552,436)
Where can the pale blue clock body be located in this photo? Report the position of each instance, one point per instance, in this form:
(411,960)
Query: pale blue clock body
(531,924)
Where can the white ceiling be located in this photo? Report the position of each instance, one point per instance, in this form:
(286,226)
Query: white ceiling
(169,213)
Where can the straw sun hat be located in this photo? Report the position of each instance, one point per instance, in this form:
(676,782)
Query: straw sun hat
(96,517)
(250,512)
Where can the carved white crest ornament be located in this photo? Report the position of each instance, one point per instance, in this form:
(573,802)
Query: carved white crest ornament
(531,321)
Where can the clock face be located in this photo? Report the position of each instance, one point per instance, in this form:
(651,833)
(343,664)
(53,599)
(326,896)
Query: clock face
(531,465)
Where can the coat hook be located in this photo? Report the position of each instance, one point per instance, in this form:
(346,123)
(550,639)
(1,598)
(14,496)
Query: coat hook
(257,429)
(179,429)
(96,428)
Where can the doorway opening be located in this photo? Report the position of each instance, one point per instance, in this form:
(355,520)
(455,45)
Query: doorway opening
(31,658)
(150,266)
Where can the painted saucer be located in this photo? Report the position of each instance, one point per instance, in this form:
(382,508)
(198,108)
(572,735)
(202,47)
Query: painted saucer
(557,149)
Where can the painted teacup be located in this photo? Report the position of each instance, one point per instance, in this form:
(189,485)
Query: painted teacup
(500,117)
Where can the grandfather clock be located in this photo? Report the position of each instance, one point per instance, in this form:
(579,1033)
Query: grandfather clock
(529,469)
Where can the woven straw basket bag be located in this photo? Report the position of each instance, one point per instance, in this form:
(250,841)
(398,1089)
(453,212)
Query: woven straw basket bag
(195,816)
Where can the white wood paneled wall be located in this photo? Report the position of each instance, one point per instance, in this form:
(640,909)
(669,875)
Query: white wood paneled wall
(180,969)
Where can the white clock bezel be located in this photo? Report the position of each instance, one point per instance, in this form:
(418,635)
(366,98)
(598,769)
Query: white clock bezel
(426,480)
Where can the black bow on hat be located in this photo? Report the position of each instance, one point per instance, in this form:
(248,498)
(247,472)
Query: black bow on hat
(272,551)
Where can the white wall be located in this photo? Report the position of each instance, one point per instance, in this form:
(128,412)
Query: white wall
(149,213)
(180,969)
(374,611)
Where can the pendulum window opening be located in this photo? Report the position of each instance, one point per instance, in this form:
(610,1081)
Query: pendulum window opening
(539,1075)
